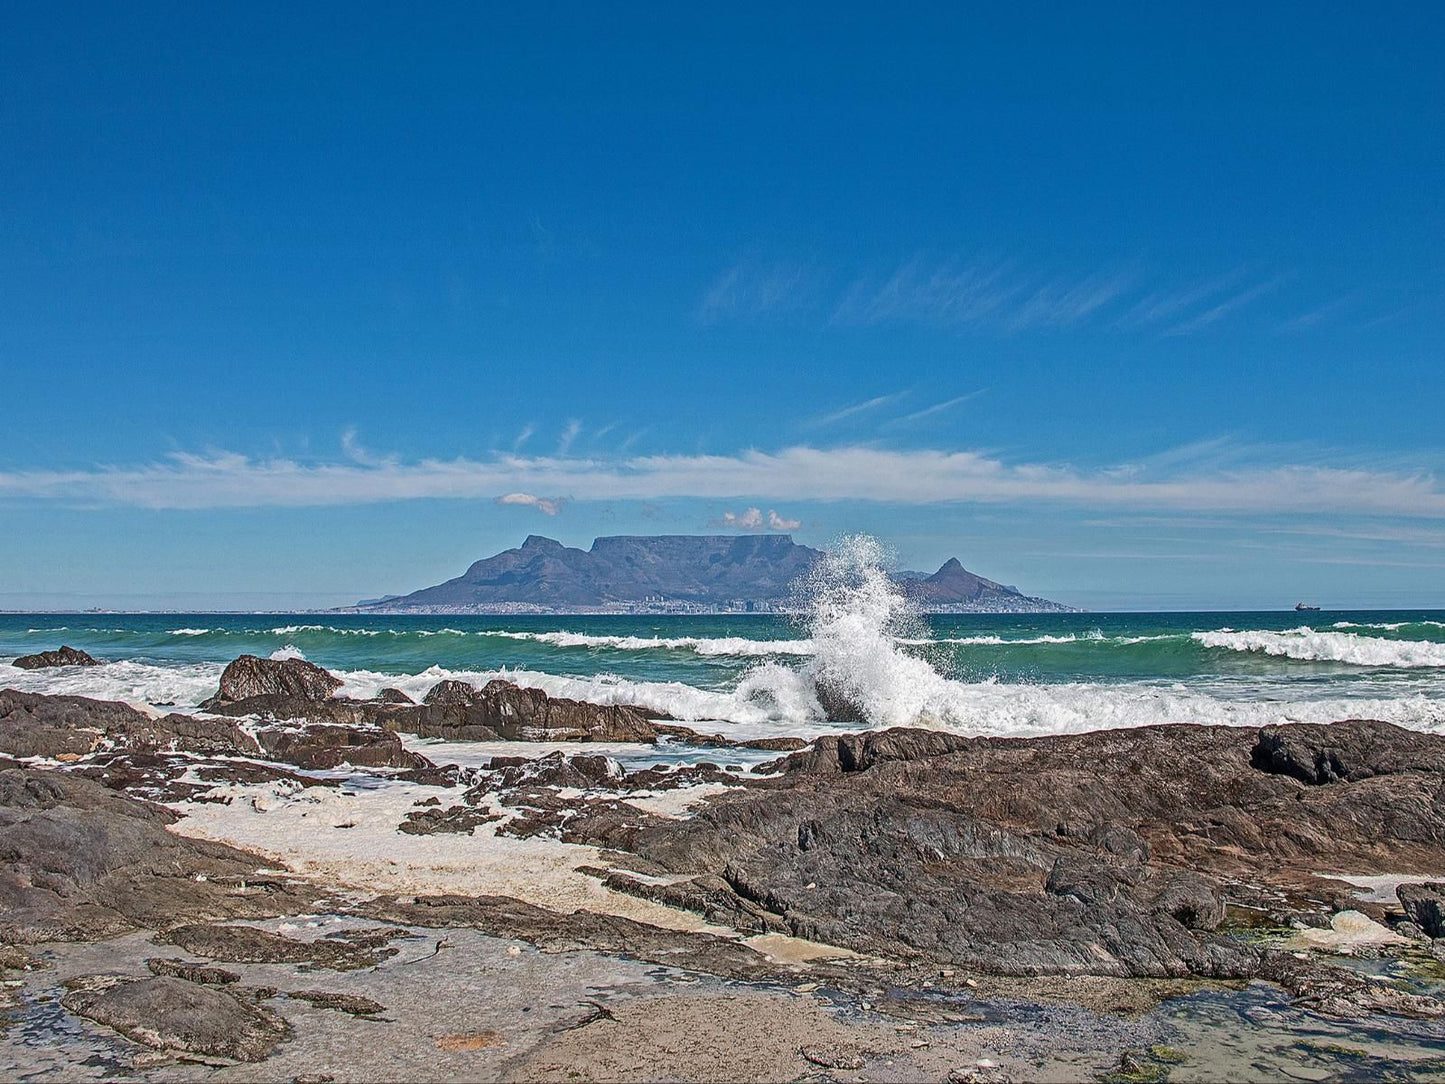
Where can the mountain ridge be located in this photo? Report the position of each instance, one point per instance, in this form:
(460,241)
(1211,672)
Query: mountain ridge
(650,573)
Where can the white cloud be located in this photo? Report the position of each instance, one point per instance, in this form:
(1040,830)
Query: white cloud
(548,506)
(913,477)
(751,519)
(778,523)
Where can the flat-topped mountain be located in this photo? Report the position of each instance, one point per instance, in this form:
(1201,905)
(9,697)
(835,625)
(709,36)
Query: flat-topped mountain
(672,572)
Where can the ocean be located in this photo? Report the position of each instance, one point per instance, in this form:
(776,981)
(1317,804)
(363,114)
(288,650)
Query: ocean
(746,675)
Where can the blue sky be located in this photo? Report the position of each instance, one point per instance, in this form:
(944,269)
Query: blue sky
(1131,305)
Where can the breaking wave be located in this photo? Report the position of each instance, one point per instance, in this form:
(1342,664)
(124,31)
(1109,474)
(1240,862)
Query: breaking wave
(701,645)
(1307,645)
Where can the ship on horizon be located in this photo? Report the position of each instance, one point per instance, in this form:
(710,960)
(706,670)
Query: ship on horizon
(1301,607)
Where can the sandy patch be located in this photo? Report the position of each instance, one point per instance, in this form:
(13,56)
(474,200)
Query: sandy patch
(349,836)
(1348,932)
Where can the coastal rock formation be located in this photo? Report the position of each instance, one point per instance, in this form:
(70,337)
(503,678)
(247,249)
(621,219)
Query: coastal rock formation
(458,711)
(65,727)
(323,746)
(298,691)
(63,656)
(248,676)
(915,844)
(79,861)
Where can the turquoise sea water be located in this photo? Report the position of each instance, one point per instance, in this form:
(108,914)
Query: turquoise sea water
(978,673)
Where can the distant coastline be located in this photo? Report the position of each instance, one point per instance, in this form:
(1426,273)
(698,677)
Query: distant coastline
(677,574)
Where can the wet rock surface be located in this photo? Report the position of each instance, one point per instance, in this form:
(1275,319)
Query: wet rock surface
(170,1013)
(914,844)
(62,656)
(345,951)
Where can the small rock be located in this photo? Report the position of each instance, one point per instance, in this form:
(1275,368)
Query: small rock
(63,656)
(832,1057)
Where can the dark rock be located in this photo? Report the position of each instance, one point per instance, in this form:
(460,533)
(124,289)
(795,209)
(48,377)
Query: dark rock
(347,951)
(1191,901)
(181,969)
(64,656)
(580,770)
(79,862)
(433,820)
(1342,992)
(1100,853)
(709,895)
(347,1003)
(456,711)
(1349,751)
(394,696)
(688,736)
(249,676)
(1424,905)
(450,693)
(32,724)
(859,752)
(323,746)
(838,705)
(171,1014)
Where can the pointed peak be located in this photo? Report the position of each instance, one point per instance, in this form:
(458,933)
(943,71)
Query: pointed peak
(951,565)
(540,542)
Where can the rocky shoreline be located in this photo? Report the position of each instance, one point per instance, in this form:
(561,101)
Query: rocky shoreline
(884,905)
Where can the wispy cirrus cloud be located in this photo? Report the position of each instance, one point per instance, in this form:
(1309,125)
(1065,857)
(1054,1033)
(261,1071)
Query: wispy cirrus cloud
(1224,307)
(749,289)
(1001,296)
(1006,297)
(935,408)
(801,472)
(569,434)
(854,409)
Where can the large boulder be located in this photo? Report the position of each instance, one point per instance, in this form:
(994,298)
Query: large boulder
(64,656)
(297,679)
